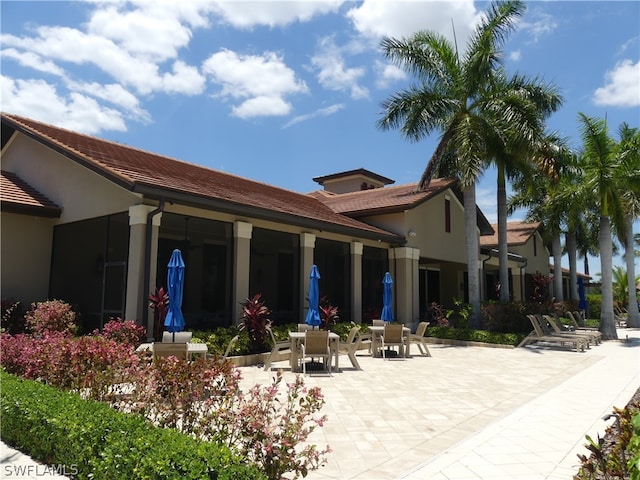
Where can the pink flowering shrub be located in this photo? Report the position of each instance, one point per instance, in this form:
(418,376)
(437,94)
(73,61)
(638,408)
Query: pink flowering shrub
(94,366)
(51,316)
(123,331)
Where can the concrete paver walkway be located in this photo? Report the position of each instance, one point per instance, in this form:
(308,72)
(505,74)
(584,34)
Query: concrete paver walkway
(464,413)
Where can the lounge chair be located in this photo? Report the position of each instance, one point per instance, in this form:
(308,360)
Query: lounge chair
(419,339)
(316,345)
(393,336)
(551,328)
(558,327)
(283,346)
(232,342)
(576,325)
(165,350)
(350,346)
(538,335)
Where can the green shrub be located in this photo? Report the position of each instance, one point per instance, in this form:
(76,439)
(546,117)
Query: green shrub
(594,300)
(92,440)
(470,335)
(505,317)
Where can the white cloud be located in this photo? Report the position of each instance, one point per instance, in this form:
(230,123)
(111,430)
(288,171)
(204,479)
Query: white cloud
(184,79)
(323,112)
(40,100)
(622,86)
(262,81)
(486,201)
(387,74)
(379,18)
(541,24)
(516,55)
(32,60)
(247,14)
(113,93)
(333,74)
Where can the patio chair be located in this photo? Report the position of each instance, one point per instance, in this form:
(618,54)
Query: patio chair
(393,336)
(283,346)
(558,327)
(232,342)
(303,327)
(378,322)
(165,350)
(419,339)
(538,335)
(176,337)
(350,346)
(316,345)
(578,321)
(550,328)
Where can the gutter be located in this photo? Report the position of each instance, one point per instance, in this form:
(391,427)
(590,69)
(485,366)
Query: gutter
(147,260)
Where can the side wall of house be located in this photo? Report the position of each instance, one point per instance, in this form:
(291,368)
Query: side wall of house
(25,249)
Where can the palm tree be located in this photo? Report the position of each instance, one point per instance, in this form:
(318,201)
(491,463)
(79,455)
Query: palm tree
(538,193)
(529,103)
(456,97)
(629,152)
(602,167)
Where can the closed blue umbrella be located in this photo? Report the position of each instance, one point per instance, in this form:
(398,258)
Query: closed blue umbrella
(582,305)
(313,315)
(387,297)
(174,321)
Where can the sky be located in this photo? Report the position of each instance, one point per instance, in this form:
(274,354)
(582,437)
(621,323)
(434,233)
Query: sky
(281,92)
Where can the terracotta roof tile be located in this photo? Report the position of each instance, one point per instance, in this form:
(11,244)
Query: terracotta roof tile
(518,233)
(18,196)
(134,168)
(382,200)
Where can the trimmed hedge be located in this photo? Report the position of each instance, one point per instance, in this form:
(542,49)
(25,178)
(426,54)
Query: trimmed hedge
(466,334)
(92,440)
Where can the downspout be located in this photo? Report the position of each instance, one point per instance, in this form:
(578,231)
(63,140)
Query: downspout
(483,280)
(522,282)
(147,259)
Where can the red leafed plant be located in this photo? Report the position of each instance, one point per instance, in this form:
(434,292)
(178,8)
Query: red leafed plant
(328,313)
(255,321)
(159,303)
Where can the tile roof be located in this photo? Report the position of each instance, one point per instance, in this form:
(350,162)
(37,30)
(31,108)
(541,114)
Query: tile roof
(382,200)
(156,175)
(518,233)
(18,196)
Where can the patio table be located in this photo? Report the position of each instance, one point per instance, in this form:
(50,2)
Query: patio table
(197,349)
(376,340)
(297,339)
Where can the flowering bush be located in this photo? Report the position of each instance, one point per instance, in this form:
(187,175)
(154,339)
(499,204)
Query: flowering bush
(254,320)
(51,316)
(12,318)
(92,365)
(123,331)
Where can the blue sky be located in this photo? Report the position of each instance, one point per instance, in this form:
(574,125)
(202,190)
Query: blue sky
(281,92)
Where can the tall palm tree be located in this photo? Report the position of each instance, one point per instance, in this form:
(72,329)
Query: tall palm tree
(538,192)
(454,95)
(629,152)
(529,102)
(602,167)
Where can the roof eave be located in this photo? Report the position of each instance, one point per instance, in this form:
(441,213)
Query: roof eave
(31,210)
(233,208)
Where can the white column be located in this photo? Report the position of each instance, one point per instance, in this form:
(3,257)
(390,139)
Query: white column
(242,232)
(356,282)
(307,246)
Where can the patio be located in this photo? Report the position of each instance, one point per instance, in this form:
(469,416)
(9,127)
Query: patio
(469,412)
(465,413)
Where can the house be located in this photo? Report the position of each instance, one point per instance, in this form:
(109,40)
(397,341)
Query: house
(527,256)
(94,222)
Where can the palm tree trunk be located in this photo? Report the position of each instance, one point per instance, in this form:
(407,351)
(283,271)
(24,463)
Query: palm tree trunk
(572,250)
(473,253)
(607,321)
(503,247)
(633,318)
(556,250)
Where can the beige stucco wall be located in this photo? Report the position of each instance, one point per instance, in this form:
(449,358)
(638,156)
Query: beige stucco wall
(78,191)
(25,252)
(535,263)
